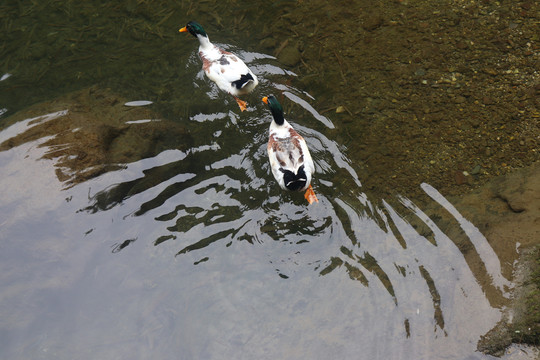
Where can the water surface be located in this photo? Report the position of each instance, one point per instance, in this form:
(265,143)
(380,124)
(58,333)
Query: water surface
(189,249)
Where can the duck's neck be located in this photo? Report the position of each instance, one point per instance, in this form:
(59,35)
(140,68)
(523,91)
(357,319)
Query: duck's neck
(277,114)
(204,42)
(278,117)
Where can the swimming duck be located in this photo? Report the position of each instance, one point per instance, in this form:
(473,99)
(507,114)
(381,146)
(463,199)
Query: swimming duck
(222,67)
(289,156)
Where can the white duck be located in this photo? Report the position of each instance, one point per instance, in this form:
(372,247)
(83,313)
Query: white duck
(289,155)
(228,71)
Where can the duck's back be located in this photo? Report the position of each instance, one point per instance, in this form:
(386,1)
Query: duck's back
(287,150)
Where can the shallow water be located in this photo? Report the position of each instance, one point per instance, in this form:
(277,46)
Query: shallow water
(195,253)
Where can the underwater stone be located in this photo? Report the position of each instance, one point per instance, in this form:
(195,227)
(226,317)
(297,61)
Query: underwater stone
(289,56)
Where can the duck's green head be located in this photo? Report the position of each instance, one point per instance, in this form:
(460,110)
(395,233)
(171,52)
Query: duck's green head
(275,108)
(194,28)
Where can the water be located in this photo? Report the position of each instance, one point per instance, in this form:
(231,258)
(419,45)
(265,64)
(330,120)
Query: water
(188,248)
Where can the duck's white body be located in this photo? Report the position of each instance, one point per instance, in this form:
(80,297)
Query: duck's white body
(227,70)
(288,151)
(290,160)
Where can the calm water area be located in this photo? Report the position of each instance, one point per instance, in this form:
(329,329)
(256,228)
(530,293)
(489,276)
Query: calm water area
(181,245)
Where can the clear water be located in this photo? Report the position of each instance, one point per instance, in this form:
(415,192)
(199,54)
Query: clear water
(194,252)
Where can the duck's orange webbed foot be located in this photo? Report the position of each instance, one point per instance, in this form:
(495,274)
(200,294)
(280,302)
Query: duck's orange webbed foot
(310,195)
(242,104)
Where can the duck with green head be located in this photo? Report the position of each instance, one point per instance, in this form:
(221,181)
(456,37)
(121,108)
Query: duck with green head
(288,153)
(227,70)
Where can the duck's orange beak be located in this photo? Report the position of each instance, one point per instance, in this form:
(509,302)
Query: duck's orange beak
(265,99)
(184,29)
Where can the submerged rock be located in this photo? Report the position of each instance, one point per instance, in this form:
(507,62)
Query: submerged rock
(290,55)
(506,211)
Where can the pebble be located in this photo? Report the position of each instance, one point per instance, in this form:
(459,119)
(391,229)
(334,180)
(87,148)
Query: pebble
(488,100)
(269,43)
(462,177)
(460,99)
(372,22)
(290,56)
(476,170)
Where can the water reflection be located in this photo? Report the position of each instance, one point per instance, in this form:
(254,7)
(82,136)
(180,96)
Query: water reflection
(211,259)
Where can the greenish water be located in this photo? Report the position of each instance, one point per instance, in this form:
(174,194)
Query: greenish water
(189,249)
(58,46)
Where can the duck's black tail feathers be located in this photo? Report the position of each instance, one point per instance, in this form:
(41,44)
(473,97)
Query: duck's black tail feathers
(294,182)
(244,80)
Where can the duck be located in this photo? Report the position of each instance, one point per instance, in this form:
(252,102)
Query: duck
(227,70)
(290,160)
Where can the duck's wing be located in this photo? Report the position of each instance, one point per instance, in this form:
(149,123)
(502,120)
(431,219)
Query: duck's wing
(287,153)
(229,70)
(307,161)
(277,161)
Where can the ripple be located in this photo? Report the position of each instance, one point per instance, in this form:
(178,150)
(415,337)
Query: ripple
(197,241)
